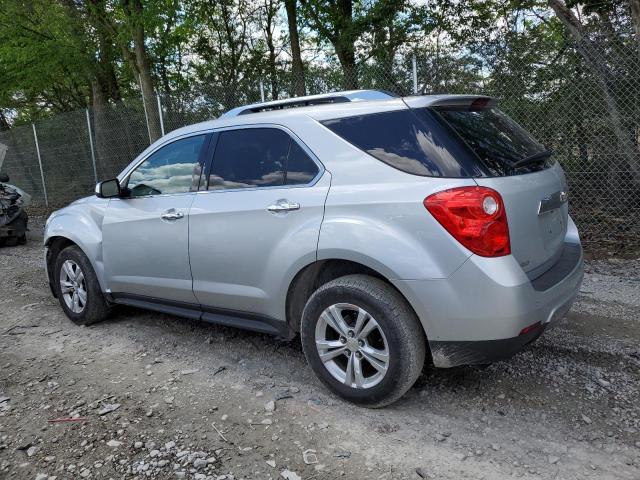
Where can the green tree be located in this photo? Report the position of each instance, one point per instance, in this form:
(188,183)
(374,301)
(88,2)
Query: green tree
(45,65)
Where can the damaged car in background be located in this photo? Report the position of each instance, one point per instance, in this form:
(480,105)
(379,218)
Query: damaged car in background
(13,216)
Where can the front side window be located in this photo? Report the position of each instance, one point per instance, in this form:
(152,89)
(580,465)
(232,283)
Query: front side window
(259,157)
(172,169)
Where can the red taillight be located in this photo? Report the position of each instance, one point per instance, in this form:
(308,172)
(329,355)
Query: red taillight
(475,216)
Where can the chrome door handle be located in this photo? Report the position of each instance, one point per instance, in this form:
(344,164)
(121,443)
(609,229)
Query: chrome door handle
(283,205)
(171,214)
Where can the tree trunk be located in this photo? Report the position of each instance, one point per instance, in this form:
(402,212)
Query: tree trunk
(148,92)
(296,63)
(383,53)
(270,13)
(272,72)
(347,59)
(345,44)
(100,131)
(106,58)
(635,15)
(595,60)
(134,11)
(341,33)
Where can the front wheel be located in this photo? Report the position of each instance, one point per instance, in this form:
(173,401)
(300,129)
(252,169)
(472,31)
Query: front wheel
(77,288)
(363,340)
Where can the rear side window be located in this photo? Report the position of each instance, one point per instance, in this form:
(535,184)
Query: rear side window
(259,157)
(415,142)
(254,157)
(504,147)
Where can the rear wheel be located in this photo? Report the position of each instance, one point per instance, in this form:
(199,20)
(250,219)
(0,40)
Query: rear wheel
(77,288)
(363,340)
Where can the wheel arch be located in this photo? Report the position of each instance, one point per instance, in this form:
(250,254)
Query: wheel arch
(55,244)
(316,274)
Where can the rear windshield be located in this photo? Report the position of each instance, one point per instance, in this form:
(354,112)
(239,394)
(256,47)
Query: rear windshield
(504,147)
(444,143)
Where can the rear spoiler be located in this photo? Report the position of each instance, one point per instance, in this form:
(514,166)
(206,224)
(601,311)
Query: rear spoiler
(461,102)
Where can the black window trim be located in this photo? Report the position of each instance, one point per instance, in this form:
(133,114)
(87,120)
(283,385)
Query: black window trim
(204,185)
(202,159)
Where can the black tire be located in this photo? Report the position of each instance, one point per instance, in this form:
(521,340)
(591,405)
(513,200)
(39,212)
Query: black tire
(404,336)
(96,307)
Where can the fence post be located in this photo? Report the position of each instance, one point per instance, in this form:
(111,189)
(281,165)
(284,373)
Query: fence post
(44,187)
(415,74)
(262,91)
(146,117)
(160,114)
(93,154)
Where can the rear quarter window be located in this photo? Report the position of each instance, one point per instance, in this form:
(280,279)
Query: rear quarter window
(413,142)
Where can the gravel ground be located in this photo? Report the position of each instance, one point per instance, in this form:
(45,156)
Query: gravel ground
(162,397)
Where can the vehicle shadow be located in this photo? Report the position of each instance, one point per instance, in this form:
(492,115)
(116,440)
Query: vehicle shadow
(285,357)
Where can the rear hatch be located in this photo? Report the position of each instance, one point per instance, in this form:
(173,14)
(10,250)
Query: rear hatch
(467,136)
(525,174)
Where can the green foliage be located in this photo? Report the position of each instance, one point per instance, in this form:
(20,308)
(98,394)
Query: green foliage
(60,55)
(43,61)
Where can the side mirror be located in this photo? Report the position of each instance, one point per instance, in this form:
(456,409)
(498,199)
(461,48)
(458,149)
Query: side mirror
(108,188)
(4,177)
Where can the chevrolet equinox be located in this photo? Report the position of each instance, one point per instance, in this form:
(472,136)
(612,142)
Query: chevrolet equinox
(383,230)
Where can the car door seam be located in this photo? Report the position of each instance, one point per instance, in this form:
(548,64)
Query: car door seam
(324,209)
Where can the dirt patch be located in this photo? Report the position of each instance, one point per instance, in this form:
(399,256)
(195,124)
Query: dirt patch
(149,395)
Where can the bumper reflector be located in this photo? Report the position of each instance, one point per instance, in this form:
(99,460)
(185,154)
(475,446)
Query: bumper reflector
(530,328)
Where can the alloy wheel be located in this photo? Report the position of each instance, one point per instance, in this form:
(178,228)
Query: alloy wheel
(352,345)
(73,287)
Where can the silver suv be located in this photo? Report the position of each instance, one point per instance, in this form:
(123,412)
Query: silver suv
(381,229)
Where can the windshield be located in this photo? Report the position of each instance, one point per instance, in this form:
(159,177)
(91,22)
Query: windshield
(503,146)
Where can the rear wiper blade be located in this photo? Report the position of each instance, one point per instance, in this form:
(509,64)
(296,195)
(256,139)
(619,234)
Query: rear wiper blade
(536,157)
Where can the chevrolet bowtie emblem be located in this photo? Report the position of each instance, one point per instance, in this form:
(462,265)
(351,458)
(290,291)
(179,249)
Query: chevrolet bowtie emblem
(552,202)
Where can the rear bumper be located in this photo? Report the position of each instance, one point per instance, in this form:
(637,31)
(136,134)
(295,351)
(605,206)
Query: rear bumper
(480,352)
(476,315)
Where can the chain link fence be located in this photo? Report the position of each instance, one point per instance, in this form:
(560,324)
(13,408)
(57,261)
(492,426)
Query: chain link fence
(590,118)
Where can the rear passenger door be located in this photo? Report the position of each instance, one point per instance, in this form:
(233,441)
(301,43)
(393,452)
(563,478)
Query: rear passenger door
(255,220)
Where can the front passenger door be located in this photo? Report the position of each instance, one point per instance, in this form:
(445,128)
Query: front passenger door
(146,234)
